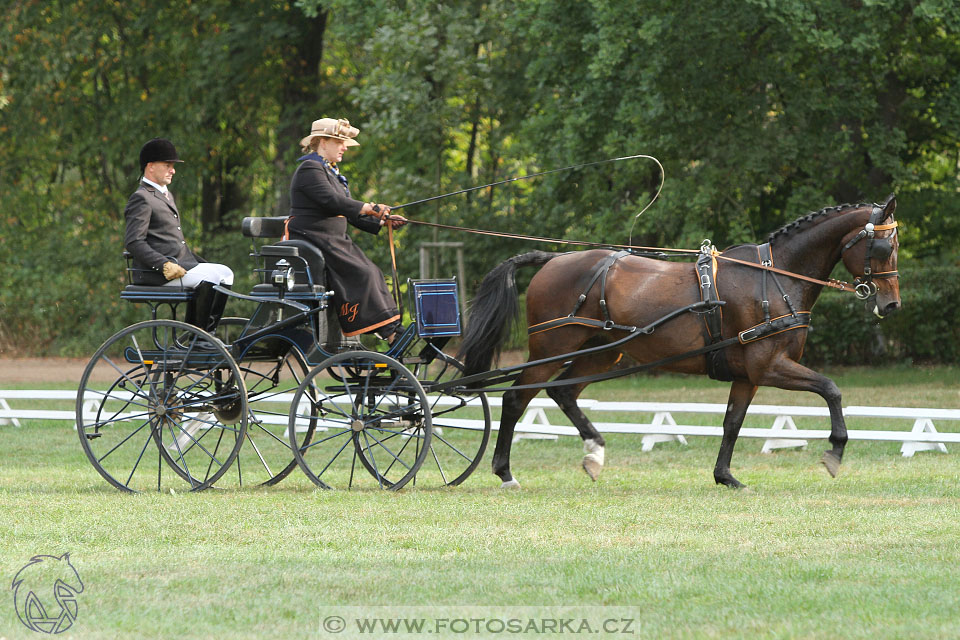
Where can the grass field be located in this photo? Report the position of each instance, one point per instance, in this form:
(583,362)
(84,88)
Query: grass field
(871,554)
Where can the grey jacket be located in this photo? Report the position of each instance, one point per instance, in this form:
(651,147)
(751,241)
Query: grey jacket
(154,236)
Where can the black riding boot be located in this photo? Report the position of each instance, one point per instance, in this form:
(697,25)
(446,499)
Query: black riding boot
(389,331)
(198,309)
(206,307)
(216,309)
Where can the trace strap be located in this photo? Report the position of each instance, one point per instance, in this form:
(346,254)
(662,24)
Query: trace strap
(509,374)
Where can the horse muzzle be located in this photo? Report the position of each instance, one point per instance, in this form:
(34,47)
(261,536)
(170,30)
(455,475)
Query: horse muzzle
(884,302)
(885,310)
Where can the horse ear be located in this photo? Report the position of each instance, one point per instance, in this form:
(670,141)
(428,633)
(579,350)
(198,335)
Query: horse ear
(890,204)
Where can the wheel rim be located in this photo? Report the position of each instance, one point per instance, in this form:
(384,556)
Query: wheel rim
(176,403)
(272,373)
(461,427)
(374,425)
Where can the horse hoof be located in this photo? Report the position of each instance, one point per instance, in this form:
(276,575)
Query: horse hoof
(831,462)
(592,466)
(510,484)
(729,481)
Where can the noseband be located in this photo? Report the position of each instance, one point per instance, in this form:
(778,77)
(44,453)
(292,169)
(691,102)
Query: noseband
(877,248)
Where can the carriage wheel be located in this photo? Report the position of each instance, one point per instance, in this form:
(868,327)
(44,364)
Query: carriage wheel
(374,428)
(161,395)
(230,328)
(272,373)
(461,426)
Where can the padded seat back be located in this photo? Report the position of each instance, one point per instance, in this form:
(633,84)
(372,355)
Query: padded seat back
(143,293)
(271,227)
(314,258)
(275,227)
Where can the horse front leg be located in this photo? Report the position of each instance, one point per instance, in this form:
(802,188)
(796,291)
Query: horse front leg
(791,375)
(741,395)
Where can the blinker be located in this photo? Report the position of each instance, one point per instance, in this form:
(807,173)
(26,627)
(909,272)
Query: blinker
(881,249)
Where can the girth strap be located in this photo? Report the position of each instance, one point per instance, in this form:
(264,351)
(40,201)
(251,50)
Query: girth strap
(707,270)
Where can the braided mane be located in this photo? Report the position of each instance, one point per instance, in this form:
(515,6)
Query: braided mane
(809,220)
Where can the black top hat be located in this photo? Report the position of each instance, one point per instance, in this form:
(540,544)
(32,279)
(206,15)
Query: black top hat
(158,150)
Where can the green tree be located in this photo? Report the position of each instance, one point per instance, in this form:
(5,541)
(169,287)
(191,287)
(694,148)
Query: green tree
(760,110)
(84,85)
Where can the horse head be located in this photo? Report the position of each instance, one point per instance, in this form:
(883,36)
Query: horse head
(870,255)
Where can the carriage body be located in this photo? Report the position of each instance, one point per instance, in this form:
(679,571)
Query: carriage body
(279,389)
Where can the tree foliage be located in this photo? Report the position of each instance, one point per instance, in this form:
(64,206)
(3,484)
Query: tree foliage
(759,110)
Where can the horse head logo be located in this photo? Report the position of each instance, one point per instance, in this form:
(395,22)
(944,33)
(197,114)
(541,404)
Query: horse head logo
(45,593)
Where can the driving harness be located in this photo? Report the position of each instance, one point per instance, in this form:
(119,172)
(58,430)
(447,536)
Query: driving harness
(710,307)
(717,366)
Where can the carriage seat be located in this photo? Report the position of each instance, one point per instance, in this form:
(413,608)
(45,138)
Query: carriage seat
(151,293)
(307,260)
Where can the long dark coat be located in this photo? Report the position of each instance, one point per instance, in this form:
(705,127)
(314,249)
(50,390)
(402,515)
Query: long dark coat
(320,209)
(153,235)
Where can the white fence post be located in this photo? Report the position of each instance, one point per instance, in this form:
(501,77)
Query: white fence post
(651,439)
(922,425)
(782,423)
(13,421)
(534,415)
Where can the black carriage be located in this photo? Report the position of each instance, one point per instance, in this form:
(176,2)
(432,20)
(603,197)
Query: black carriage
(164,404)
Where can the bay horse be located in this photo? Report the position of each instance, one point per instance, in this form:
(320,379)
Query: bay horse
(596,297)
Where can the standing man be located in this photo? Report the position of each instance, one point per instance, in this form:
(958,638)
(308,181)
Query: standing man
(155,238)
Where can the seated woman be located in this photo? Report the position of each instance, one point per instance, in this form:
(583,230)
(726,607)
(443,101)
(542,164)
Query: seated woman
(320,208)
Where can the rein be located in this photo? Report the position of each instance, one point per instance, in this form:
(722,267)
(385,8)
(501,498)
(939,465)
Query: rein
(393,263)
(835,284)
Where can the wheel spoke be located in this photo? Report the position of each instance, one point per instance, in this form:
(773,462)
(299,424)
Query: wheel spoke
(139,457)
(371,400)
(167,391)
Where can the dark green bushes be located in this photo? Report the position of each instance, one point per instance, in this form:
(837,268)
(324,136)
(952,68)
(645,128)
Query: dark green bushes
(925,330)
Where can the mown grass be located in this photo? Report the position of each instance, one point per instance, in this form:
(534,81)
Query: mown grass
(871,554)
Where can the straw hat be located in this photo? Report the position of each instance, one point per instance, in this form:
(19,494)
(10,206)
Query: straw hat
(331,128)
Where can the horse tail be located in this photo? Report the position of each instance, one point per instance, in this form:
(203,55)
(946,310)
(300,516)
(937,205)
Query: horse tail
(494,312)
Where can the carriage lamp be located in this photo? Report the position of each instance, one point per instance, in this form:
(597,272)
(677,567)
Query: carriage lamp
(283,276)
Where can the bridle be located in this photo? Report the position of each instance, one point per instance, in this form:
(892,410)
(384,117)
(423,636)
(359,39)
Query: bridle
(877,249)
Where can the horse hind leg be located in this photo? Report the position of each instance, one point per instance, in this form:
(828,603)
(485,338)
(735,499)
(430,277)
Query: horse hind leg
(515,402)
(594,446)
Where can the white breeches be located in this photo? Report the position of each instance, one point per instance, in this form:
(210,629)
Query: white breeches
(203,272)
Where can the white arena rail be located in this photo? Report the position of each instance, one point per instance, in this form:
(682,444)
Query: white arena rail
(663,426)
